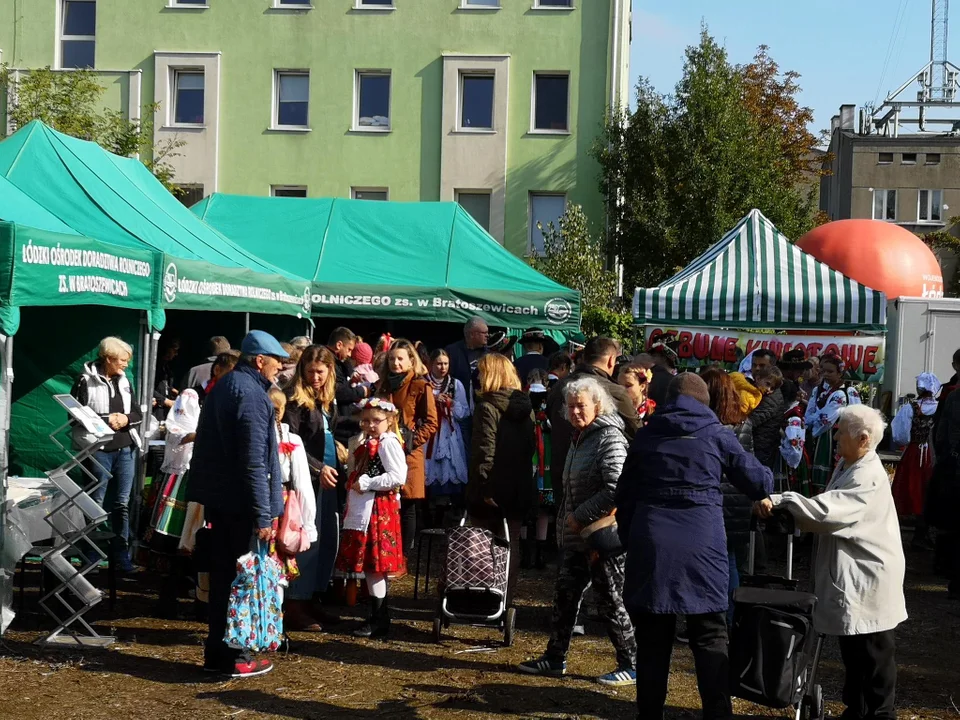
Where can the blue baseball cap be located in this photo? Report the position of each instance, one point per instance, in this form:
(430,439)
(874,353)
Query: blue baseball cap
(258,342)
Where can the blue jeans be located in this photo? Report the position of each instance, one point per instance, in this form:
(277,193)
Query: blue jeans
(316,564)
(733,584)
(121,467)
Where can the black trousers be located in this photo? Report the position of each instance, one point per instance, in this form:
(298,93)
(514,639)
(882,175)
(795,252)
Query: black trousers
(708,642)
(870,685)
(409,523)
(230,537)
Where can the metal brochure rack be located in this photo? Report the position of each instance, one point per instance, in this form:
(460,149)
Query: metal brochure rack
(75,594)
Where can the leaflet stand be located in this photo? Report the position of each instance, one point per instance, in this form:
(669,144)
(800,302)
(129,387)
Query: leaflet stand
(88,433)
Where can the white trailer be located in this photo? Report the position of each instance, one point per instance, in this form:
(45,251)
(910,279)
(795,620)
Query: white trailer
(922,335)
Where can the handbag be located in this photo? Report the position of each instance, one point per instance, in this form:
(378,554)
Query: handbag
(292,536)
(602,537)
(254,617)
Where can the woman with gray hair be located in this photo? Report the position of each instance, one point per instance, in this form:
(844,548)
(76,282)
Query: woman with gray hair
(590,476)
(858,565)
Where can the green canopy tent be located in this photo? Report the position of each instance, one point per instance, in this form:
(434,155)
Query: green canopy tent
(394,261)
(56,279)
(754,277)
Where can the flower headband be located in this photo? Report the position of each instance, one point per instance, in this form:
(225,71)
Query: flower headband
(376,403)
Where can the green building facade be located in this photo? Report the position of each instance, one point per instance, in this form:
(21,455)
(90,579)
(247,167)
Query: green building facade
(494,103)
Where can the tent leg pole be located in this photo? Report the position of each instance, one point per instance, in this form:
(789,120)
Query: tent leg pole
(246,323)
(7,409)
(148,375)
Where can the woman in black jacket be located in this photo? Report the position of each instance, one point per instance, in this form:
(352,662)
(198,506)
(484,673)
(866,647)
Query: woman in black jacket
(312,414)
(767,417)
(501,484)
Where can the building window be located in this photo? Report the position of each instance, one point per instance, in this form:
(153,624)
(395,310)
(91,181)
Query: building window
(190,195)
(78,33)
(550,100)
(485,4)
(930,206)
(544,209)
(885,158)
(931,159)
(374,3)
(476,101)
(293,99)
(885,205)
(294,191)
(294,4)
(553,3)
(188,97)
(909,159)
(477,204)
(189,3)
(373,100)
(368,193)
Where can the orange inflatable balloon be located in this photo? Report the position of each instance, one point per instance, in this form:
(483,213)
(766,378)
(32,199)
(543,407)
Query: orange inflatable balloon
(878,254)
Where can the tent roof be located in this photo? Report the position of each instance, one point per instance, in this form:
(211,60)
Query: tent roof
(756,278)
(18,207)
(431,260)
(117,200)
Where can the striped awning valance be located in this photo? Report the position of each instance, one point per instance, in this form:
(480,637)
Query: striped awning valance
(756,278)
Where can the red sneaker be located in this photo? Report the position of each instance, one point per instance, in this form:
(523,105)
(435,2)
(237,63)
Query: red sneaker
(252,668)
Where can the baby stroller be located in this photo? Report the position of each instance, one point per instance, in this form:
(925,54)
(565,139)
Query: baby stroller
(474,586)
(774,650)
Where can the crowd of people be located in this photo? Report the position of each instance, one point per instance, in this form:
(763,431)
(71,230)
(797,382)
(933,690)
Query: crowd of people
(648,475)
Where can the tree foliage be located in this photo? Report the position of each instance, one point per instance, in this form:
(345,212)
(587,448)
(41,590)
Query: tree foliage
(71,103)
(680,170)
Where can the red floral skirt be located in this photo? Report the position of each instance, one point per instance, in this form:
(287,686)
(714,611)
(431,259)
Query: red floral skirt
(910,482)
(379,549)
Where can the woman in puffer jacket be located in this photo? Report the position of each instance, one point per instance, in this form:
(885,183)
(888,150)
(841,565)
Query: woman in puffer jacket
(737,507)
(594,463)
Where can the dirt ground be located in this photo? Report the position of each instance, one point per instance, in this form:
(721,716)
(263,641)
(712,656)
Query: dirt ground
(153,671)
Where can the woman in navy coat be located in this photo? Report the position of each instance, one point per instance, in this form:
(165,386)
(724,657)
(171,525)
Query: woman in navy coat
(670,519)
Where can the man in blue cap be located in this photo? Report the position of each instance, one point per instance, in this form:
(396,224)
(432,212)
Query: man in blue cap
(235,474)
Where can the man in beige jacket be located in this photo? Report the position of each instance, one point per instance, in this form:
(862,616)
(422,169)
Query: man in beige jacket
(858,565)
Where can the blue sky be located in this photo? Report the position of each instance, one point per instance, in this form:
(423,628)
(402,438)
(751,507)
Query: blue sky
(839,48)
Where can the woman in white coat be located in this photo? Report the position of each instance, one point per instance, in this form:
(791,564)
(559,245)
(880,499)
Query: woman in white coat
(858,565)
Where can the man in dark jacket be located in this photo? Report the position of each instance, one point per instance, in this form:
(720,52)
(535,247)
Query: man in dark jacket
(235,474)
(599,359)
(943,492)
(670,519)
(533,342)
(464,356)
(341,343)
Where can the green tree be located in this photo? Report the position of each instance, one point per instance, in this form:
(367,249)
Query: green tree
(71,103)
(680,170)
(575,258)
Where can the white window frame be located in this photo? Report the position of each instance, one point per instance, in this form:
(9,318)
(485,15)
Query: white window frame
(301,5)
(274,188)
(482,191)
(929,207)
(61,38)
(538,6)
(275,108)
(466,5)
(531,226)
(365,189)
(175,72)
(873,201)
(358,5)
(533,103)
(179,5)
(355,122)
(493,102)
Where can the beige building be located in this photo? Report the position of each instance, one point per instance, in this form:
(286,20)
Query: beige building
(912,180)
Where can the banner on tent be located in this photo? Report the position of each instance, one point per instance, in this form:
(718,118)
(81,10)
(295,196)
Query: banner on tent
(505,308)
(198,285)
(696,347)
(77,271)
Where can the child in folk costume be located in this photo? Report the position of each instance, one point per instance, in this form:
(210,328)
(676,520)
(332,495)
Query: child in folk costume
(793,467)
(823,410)
(170,508)
(371,542)
(911,427)
(446,464)
(297,488)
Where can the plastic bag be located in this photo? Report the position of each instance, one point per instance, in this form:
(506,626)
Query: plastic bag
(254,615)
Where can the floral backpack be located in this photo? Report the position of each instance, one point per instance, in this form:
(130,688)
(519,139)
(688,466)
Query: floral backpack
(254,615)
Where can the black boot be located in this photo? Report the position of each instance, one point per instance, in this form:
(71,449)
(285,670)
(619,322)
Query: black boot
(378,625)
(541,561)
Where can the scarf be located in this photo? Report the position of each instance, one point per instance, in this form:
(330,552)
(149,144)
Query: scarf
(395,381)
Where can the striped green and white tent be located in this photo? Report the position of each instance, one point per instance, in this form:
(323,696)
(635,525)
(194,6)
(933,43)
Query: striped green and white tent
(756,278)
